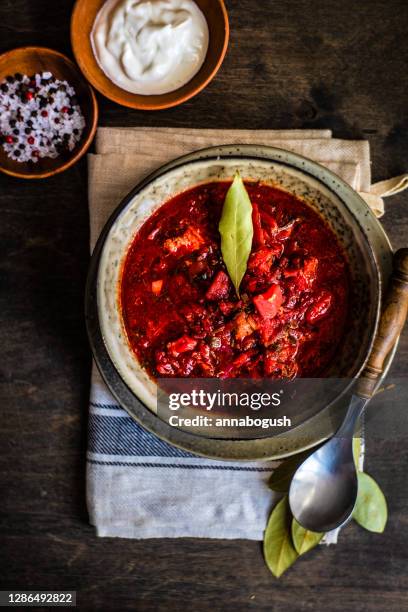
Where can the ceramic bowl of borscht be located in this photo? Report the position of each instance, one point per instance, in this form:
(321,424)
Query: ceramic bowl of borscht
(161,303)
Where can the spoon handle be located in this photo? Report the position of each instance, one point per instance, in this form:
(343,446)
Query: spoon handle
(392,321)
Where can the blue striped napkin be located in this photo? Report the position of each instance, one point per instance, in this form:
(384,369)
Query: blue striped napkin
(138,486)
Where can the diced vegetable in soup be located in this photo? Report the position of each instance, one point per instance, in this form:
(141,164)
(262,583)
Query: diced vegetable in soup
(182,314)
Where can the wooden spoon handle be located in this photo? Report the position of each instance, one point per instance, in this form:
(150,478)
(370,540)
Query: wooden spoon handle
(392,321)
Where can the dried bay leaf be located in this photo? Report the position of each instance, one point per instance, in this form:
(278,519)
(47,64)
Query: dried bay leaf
(279,552)
(281,477)
(303,539)
(371,507)
(356,451)
(236,231)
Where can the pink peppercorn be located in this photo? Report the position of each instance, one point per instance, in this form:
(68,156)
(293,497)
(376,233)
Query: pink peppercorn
(30,140)
(44,113)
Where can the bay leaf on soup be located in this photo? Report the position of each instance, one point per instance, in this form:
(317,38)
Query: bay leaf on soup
(236,231)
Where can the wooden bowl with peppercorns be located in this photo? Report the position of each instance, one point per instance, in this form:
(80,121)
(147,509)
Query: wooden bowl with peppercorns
(48,113)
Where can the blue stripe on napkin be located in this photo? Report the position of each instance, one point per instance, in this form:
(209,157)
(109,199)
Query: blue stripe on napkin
(183,466)
(120,435)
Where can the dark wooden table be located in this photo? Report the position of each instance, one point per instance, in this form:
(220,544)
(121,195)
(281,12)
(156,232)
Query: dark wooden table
(291,64)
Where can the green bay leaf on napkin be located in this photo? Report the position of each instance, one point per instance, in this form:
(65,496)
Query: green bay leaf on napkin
(303,539)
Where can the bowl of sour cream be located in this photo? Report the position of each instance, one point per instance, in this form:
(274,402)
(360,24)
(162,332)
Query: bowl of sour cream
(149,54)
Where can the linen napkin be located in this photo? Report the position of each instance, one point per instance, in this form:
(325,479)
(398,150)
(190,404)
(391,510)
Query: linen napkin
(138,486)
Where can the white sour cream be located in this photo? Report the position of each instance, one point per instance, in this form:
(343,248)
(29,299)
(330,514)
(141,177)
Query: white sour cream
(150,46)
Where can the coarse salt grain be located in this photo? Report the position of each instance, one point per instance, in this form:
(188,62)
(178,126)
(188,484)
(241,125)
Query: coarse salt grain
(39,117)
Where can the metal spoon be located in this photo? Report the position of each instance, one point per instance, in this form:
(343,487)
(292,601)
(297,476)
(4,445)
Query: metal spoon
(323,490)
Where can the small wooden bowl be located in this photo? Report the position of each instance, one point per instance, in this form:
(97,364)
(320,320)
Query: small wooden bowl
(83,18)
(30,60)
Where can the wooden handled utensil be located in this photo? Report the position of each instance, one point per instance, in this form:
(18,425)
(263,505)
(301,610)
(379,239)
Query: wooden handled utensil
(324,488)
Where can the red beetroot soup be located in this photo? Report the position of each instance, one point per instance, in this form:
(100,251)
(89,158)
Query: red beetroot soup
(181,312)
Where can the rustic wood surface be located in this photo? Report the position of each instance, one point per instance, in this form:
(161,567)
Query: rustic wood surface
(291,64)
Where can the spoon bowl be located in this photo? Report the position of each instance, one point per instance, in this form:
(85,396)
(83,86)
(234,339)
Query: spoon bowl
(323,491)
